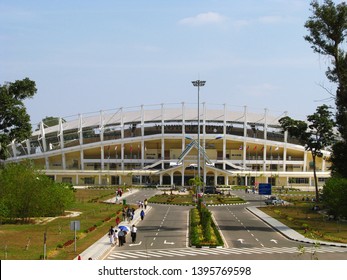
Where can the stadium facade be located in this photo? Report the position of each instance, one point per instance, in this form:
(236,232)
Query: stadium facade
(157,144)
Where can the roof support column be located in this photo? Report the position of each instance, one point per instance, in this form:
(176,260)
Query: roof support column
(142,140)
(244,154)
(102,157)
(122,139)
(61,133)
(224,135)
(183,127)
(285,147)
(172,178)
(43,137)
(265,140)
(63,159)
(305,161)
(14,149)
(27,142)
(162,137)
(204,141)
(82,159)
(80,129)
(183,138)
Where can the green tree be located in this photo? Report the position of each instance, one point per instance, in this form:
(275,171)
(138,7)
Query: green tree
(327,33)
(26,192)
(197,182)
(14,120)
(315,134)
(50,121)
(335,196)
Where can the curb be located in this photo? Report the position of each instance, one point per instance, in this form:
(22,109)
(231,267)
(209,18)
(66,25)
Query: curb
(208,205)
(227,204)
(207,247)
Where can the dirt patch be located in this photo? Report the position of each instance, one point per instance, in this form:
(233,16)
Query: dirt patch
(45,220)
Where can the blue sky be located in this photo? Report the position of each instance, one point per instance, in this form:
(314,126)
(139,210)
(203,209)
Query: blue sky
(87,56)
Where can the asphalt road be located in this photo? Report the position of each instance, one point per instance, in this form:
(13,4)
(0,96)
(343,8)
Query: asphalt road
(163,234)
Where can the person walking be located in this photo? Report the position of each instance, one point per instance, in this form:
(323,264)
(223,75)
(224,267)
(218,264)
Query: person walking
(146,202)
(124,213)
(142,214)
(111,235)
(133,233)
(115,237)
(120,238)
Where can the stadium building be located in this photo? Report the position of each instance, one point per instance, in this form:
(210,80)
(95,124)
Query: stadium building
(158,144)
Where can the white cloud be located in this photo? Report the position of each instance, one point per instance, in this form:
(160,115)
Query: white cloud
(203,19)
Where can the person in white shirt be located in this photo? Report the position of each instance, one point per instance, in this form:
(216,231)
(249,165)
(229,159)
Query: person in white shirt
(115,237)
(133,233)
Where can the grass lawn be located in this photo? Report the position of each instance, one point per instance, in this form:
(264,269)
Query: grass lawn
(309,223)
(26,241)
(172,199)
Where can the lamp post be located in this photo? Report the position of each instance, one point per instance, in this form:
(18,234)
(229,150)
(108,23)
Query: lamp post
(198,83)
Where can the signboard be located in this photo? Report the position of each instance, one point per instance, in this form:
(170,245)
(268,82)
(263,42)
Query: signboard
(75,225)
(264,189)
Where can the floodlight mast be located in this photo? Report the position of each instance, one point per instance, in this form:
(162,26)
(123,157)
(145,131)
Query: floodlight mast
(198,84)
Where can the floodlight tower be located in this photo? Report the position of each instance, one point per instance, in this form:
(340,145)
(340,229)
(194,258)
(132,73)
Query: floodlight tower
(198,84)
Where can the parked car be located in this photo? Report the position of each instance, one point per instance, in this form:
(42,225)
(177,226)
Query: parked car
(211,190)
(273,200)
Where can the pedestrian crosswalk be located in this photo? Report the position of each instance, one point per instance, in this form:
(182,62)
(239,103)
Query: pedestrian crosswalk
(191,252)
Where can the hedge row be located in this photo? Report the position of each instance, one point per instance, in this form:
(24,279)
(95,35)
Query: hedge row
(203,231)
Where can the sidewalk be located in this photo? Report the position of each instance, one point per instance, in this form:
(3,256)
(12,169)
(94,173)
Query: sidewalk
(99,249)
(288,232)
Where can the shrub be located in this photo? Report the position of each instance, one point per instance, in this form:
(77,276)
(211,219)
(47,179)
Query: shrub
(194,227)
(202,229)
(68,243)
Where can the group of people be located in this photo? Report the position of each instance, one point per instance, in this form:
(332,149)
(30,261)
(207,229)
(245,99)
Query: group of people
(118,237)
(128,213)
(143,204)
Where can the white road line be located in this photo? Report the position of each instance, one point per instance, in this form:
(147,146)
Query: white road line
(215,251)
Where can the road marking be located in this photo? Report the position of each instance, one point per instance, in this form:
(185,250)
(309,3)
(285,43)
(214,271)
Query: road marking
(241,240)
(168,243)
(169,253)
(273,240)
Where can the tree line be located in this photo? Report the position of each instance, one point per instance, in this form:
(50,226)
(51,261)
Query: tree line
(26,192)
(327,28)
